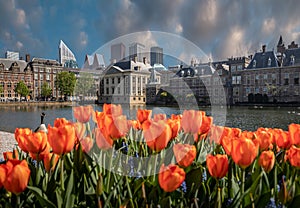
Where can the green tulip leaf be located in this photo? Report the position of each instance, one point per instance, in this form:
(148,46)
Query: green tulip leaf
(42,198)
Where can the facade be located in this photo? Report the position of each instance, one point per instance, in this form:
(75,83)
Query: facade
(156,55)
(125,83)
(44,70)
(117,52)
(12,55)
(137,52)
(12,72)
(66,56)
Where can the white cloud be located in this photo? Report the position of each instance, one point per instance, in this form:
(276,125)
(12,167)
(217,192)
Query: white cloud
(21,16)
(19,45)
(269,25)
(178,28)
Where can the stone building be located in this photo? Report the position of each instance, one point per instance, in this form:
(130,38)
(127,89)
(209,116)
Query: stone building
(125,82)
(12,72)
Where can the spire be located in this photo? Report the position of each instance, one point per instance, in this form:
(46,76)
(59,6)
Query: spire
(280,42)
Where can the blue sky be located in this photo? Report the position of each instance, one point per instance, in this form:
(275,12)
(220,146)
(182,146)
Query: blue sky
(221,28)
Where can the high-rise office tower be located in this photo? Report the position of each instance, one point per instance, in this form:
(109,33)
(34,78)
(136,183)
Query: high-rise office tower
(156,55)
(66,56)
(117,52)
(137,50)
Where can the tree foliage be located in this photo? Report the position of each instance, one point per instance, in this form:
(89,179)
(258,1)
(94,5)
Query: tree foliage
(1,89)
(22,89)
(46,90)
(84,83)
(65,82)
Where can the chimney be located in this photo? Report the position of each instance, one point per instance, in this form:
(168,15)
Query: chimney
(145,60)
(264,48)
(27,57)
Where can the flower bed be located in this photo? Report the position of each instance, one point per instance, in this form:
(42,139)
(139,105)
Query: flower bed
(105,160)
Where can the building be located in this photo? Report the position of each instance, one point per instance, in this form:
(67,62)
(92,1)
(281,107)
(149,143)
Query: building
(44,71)
(156,55)
(11,73)
(117,52)
(66,56)
(125,83)
(12,55)
(94,62)
(137,50)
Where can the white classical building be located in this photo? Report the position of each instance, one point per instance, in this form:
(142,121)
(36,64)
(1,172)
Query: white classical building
(125,83)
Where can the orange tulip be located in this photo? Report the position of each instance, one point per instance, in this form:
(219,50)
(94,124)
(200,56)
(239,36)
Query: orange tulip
(16,175)
(80,130)
(207,122)
(159,116)
(267,160)
(111,109)
(184,154)
(11,155)
(135,124)
(191,121)
(170,177)
(102,140)
(217,165)
(264,138)
(157,135)
(20,136)
(50,160)
(293,155)
(294,130)
(244,151)
(36,142)
(86,144)
(175,126)
(83,113)
(282,138)
(143,115)
(62,136)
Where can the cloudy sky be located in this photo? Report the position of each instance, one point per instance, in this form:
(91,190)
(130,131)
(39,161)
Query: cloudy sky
(221,28)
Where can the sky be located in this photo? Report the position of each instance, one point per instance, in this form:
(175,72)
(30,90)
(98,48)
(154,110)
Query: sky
(221,28)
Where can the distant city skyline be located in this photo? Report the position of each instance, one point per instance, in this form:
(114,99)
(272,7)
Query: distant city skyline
(220,28)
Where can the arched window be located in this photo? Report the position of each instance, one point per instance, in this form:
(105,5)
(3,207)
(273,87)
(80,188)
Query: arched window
(292,60)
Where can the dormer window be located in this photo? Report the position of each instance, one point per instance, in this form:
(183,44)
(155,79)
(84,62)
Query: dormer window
(182,73)
(269,61)
(254,63)
(188,73)
(292,60)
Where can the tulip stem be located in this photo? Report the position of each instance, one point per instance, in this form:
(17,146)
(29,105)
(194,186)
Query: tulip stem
(275,182)
(242,187)
(62,174)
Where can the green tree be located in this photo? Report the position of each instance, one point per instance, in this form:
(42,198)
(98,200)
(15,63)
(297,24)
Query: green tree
(22,89)
(65,82)
(84,84)
(1,89)
(46,90)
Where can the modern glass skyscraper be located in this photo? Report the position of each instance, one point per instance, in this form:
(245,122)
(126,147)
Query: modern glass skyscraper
(66,56)
(117,52)
(156,55)
(137,50)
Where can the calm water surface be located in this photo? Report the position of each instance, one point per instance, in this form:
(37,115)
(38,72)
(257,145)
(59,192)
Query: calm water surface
(242,117)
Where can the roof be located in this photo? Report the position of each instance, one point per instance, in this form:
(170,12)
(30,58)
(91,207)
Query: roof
(8,62)
(199,70)
(94,61)
(290,54)
(263,60)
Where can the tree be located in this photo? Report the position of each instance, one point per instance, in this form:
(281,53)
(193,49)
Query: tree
(46,90)
(84,84)
(1,89)
(22,89)
(65,82)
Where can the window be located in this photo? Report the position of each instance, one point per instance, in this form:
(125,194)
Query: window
(47,77)
(238,79)
(113,80)
(233,68)
(119,90)
(41,76)
(296,81)
(292,62)
(265,76)
(112,90)
(286,81)
(233,79)
(119,80)
(254,64)
(107,81)
(240,67)
(8,85)
(36,76)
(269,61)
(107,91)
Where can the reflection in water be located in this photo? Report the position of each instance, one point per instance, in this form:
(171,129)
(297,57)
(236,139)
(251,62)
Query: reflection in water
(242,117)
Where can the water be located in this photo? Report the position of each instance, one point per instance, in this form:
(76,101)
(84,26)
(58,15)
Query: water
(242,117)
